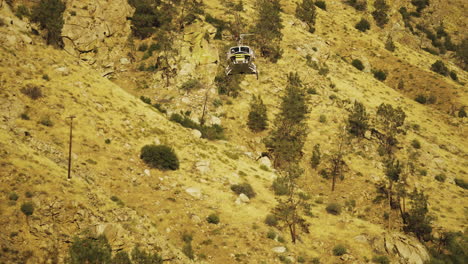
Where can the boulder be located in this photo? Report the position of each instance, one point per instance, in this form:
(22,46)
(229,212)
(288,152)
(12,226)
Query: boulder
(196,133)
(147,172)
(265,161)
(242,199)
(406,248)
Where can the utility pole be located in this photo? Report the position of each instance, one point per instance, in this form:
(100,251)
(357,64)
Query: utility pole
(70,149)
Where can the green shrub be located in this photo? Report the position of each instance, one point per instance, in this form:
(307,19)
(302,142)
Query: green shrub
(45,77)
(117,200)
(333,208)
(440,177)
(380,75)
(213,219)
(321,4)
(145,18)
(160,157)
(415,144)
(29,194)
(440,68)
(271,220)
(27,208)
(462,112)
(21,11)
(45,121)
(421,99)
(244,188)
(214,132)
(121,257)
(32,92)
(381,260)
(257,118)
(49,15)
(306,12)
(363,25)
(316,156)
(143,47)
(188,250)
(380,13)
(107,141)
(461,183)
(453,75)
(90,250)
(13,196)
(191,85)
(141,257)
(339,250)
(357,64)
(280,186)
(185,121)
(358,120)
(322,119)
(145,100)
(389,45)
(271,234)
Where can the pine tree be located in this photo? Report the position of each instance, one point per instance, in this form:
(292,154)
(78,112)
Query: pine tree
(418,220)
(268,28)
(391,119)
(306,12)
(257,119)
(286,141)
(316,156)
(358,120)
(49,15)
(288,209)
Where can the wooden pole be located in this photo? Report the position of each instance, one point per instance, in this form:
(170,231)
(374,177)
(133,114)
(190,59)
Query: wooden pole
(70,149)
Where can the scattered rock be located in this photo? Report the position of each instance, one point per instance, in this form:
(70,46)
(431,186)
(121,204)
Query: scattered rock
(124,61)
(63,70)
(157,141)
(214,121)
(196,133)
(242,199)
(194,192)
(265,161)
(279,249)
(147,172)
(203,166)
(361,239)
(368,134)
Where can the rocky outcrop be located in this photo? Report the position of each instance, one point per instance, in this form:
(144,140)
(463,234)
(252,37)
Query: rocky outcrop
(408,249)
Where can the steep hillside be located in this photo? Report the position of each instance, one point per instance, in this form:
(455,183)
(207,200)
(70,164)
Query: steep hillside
(97,78)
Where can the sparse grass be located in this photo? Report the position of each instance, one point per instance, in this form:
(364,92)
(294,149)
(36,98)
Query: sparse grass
(191,85)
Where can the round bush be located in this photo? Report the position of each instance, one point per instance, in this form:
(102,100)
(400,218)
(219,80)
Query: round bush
(334,209)
(160,157)
(213,219)
(13,196)
(339,250)
(244,188)
(363,25)
(381,260)
(357,64)
(27,208)
(271,220)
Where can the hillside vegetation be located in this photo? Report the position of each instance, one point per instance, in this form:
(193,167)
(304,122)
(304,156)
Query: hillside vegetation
(350,147)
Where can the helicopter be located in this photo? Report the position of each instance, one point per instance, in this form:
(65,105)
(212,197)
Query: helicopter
(240,59)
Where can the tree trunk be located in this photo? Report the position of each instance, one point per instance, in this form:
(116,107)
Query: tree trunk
(292,230)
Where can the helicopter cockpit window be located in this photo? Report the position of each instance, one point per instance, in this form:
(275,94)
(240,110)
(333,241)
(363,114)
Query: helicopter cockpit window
(245,49)
(234,50)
